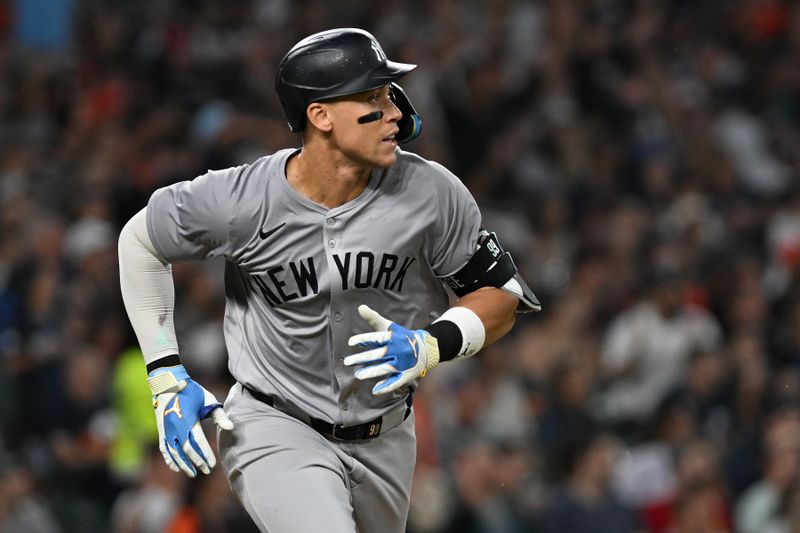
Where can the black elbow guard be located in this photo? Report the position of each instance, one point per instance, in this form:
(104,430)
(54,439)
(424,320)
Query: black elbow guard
(491,266)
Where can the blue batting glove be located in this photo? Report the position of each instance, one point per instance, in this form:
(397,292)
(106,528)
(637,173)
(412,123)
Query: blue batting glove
(398,353)
(180,404)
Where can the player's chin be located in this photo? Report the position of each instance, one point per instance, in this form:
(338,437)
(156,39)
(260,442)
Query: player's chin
(387,154)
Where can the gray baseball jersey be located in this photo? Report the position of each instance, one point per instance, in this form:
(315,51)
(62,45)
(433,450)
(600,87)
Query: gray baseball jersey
(296,271)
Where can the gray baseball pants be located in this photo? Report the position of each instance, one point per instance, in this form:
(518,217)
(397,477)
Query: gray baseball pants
(291,479)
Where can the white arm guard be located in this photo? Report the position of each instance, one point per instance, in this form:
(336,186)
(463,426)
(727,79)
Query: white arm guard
(147,290)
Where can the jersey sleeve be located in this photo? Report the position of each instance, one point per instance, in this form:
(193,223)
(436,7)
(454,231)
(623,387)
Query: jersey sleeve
(458,221)
(194,219)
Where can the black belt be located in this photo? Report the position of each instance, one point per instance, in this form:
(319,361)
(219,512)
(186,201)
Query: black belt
(365,431)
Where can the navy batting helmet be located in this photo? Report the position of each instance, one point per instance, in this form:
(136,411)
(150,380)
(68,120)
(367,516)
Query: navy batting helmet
(337,63)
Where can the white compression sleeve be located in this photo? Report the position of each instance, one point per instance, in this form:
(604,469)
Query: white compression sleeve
(147,290)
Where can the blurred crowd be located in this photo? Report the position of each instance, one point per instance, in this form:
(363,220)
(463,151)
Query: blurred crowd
(639,158)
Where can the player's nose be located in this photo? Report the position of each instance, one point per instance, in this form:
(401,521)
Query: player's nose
(392,113)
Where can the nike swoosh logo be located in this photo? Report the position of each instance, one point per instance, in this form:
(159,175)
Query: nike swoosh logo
(265,234)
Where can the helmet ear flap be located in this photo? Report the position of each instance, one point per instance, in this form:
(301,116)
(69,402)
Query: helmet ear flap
(410,124)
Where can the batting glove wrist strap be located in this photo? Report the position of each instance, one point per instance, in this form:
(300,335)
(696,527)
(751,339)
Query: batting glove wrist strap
(432,349)
(167,379)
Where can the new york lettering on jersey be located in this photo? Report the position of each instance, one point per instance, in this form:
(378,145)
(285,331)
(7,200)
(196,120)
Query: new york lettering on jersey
(355,270)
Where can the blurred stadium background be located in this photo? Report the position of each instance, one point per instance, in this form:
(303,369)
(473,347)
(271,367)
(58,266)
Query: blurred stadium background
(641,159)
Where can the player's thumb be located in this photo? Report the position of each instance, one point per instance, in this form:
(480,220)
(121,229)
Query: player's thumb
(375,320)
(221,419)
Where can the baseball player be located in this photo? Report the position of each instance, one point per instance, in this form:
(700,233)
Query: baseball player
(342,259)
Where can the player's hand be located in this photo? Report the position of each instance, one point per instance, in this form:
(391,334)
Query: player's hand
(399,355)
(179,410)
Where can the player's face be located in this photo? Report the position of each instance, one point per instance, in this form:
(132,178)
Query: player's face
(369,143)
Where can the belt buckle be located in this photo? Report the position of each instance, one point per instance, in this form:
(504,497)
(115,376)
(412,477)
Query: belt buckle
(333,432)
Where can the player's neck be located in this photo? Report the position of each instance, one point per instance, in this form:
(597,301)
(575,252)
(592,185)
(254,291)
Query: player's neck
(326,179)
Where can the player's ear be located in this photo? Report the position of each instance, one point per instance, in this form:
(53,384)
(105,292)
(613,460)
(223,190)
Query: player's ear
(319,115)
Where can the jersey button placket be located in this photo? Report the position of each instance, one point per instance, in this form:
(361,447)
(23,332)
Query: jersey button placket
(332,238)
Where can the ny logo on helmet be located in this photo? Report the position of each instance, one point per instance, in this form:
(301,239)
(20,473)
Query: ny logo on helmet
(380,53)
